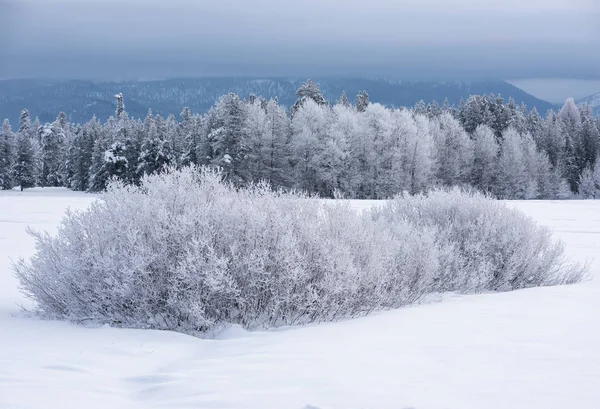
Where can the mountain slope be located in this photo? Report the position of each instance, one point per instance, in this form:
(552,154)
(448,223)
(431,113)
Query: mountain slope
(83,99)
(593,101)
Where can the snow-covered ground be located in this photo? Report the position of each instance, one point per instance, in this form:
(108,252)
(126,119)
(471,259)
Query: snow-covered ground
(537,348)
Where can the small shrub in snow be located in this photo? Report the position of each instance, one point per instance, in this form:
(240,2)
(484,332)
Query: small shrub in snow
(186,251)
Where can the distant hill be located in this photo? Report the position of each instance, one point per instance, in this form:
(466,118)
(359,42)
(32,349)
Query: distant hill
(83,99)
(593,101)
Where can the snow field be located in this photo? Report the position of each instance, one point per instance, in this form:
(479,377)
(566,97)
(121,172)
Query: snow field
(535,348)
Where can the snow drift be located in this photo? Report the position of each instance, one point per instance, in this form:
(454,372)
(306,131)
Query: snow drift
(187,251)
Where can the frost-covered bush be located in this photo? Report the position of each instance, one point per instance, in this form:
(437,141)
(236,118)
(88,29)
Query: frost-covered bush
(186,251)
(482,243)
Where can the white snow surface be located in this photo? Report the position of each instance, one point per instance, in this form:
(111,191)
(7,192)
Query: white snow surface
(537,348)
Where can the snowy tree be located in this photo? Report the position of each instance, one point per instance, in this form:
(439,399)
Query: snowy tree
(99,175)
(229,136)
(156,150)
(308,91)
(420,108)
(453,151)
(512,167)
(189,135)
(344,100)
(52,161)
(362,101)
(80,158)
(587,185)
(120,106)
(7,147)
(25,166)
(421,165)
(309,133)
(346,130)
(485,159)
(268,129)
(434,110)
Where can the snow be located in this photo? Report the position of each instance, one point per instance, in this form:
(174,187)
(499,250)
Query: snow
(528,349)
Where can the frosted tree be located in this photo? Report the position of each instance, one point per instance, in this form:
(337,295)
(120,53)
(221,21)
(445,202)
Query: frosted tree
(344,100)
(538,183)
(228,136)
(308,91)
(268,129)
(570,117)
(25,166)
(516,118)
(52,161)
(471,113)
(25,125)
(512,167)
(174,139)
(421,166)
(533,125)
(7,147)
(156,150)
(588,143)
(453,151)
(434,110)
(376,156)
(420,108)
(99,175)
(587,184)
(500,116)
(188,131)
(362,101)
(256,127)
(80,158)
(120,106)
(485,163)
(345,127)
(309,128)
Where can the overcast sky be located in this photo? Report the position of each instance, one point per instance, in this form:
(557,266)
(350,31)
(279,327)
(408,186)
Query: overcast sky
(433,39)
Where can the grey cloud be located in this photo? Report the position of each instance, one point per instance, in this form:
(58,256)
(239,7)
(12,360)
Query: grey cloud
(91,38)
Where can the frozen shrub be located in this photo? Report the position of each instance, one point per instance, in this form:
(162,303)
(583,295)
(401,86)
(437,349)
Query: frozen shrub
(187,251)
(483,244)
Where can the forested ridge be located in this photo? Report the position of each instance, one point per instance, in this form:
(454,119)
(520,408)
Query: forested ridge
(357,149)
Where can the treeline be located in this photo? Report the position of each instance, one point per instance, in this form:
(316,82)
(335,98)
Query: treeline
(359,150)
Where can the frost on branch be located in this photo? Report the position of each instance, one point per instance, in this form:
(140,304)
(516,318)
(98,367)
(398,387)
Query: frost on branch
(186,251)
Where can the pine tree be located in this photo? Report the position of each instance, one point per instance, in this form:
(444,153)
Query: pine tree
(420,108)
(53,137)
(6,156)
(156,151)
(362,101)
(98,171)
(308,91)
(228,137)
(344,100)
(188,134)
(120,106)
(434,110)
(25,167)
(80,158)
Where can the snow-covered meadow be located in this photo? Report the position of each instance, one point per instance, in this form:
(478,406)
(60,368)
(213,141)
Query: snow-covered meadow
(535,348)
